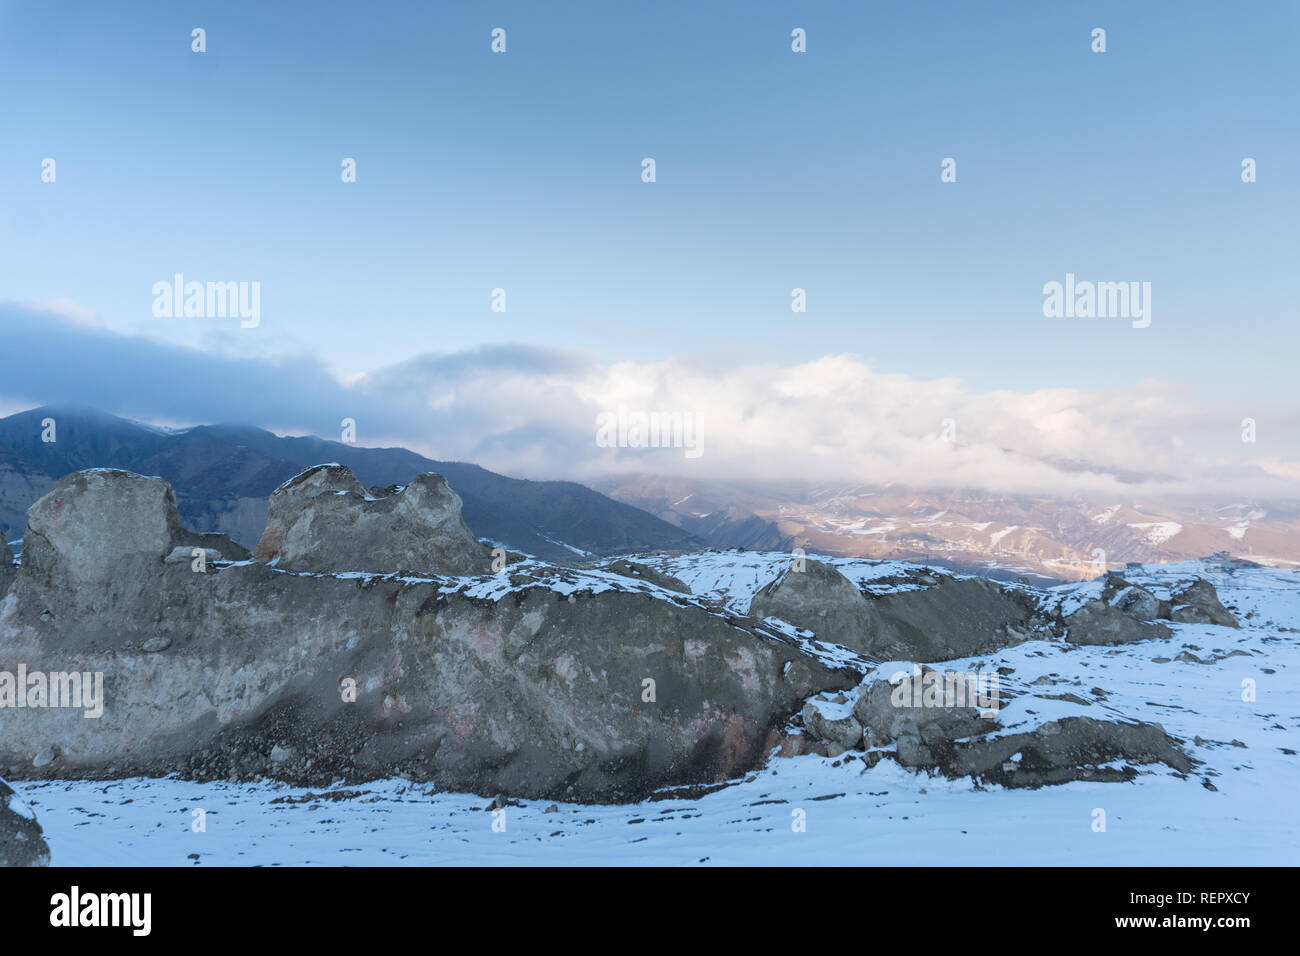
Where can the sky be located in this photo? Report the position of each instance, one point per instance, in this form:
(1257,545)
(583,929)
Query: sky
(775,170)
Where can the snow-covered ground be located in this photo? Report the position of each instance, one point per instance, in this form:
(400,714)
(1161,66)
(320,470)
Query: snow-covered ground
(849,815)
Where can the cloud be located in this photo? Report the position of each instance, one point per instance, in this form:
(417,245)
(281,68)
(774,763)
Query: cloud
(534,412)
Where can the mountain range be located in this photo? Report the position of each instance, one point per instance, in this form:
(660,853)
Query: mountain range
(223,474)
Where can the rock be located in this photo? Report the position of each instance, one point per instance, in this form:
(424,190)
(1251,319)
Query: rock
(1137,602)
(187,555)
(324,520)
(821,600)
(1197,602)
(7,568)
(22,842)
(955,618)
(1074,748)
(531,686)
(640,572)
(1099,623)
(156,645)
(832,723)
(105,533)
(925,708)
(553,808)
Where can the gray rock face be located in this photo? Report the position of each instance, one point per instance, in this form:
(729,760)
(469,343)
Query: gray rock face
(832,721)
(954,618)
(1198,603)
(640,572)
(821,600)
(325,520)
(22,842)
(520,684)
(910,711)
(7,570)
(1074,748)
(1099,623)
(1137,602)
(958,741)
(105,532)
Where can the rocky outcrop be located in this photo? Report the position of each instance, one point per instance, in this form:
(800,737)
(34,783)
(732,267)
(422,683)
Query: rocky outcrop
(22,842)
(1197,602)
(910,711)
(1127,612)
(1100,623)
(326,520)
(927,721)
(830,719)
(957,617)
(640,572)
(105,532)
(566,685)
(1074,748)
(944,619)
(7,569)
(815,596)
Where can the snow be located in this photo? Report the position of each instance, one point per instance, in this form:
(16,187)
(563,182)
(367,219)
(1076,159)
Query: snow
(853,815)
(997,536)
(1156,532)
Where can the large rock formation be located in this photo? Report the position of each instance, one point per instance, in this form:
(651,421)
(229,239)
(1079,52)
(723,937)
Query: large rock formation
(106,532)
(818,598)
(326,520)
(1197,602)
(21,841)
(944,619)
(559,684)
(954,733)
(1100,623)
(1127,612)
(957,617)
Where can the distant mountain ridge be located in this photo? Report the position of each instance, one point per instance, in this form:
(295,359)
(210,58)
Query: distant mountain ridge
(223,474)
(997,534)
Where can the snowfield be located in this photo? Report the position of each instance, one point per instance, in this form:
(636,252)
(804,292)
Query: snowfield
(1237,808)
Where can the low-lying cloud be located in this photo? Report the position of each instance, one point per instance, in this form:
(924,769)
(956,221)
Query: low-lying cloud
(533,412)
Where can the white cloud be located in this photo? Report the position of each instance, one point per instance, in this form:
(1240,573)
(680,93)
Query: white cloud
(532,412)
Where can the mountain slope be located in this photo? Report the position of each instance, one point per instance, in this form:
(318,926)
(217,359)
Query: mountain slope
(223,474)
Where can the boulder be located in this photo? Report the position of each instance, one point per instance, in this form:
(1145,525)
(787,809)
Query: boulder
(924,708)
(962,741)
(326,520)
(832,721)
(819,599)
(22,842)
(1074,748)
(956,617)
(1197,602)
(1137,602)
(1100,623)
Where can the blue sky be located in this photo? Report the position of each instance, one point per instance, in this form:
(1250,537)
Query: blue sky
(775,170)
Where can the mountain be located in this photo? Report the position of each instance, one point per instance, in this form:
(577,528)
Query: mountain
(223,474)
(718,513)
(995,534)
